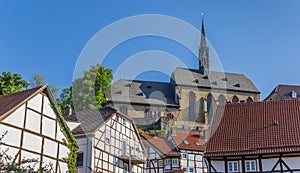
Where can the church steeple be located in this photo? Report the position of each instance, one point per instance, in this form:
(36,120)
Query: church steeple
(203,52)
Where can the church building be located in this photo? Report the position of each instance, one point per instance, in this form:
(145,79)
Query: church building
(187,101)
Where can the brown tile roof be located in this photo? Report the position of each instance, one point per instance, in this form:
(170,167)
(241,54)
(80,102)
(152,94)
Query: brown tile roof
(255,128)
(283,92)
(192,139)
(162,145)
(10,101)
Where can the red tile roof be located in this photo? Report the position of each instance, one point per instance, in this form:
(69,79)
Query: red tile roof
(192,139)
(162,145)
(176,171)
(255,128)
(10,101)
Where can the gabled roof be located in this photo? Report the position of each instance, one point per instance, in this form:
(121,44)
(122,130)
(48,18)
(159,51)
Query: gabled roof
(11,101)
(189,141)
(90,119)
(164,146)
(215,80)
(141,92)
(283,92)
(255,128)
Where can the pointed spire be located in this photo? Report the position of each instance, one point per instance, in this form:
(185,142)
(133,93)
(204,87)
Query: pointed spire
(203,52)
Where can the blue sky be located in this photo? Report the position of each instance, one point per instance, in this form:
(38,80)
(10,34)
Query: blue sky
(259,39)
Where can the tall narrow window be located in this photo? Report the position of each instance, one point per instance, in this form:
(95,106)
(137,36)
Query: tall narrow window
(123,147)
(124,110)
(201,115)
(235,99)
(192,99)
(210,103)
(79,160)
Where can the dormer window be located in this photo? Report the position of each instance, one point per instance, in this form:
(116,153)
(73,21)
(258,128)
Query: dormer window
(294,94)
(186,142)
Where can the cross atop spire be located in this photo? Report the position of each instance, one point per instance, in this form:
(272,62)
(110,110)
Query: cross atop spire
(203,52)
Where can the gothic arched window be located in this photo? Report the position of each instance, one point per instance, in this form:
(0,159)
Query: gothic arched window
(222,100)
(192,100)
(210,104)
(235,99)
(249,100)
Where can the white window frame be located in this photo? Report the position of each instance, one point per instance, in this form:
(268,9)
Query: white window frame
(231,168)
(184,155)
(252,165)
(160,163)
(175,162)
(167,162)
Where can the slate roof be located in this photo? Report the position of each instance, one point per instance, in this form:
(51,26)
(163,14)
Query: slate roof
(141,92)
(283,92)
(255,128)
(192,139)
(215,80)
(8,102)
(89,120)
(164,146)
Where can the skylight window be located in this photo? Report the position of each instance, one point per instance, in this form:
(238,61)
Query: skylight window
(186,142)
(197,144)
(294,94)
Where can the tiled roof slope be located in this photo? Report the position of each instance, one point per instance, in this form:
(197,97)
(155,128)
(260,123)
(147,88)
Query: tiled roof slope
(283,92)
(90,119)
(141,92)
(255,128)
(10,101)
(162,145)
(192,139)
(215,80)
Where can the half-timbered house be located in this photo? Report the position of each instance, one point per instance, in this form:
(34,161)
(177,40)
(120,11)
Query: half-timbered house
(255,137)
(32,128)
(191,147)
(108,142)
(162,155)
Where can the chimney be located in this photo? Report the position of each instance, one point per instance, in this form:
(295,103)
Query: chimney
(68,110)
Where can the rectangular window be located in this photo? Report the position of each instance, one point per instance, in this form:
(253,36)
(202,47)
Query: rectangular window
(123,147)
(191,169)
(107,137)
(79,160)
(167,162)
(184,156)
(126,168)
(175,162)
(250,165)
(233,166)
(160,163)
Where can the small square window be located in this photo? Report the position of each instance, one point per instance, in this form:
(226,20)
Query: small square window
(233,166)
(175,162)
(250,165)
(184,156)
(191,169)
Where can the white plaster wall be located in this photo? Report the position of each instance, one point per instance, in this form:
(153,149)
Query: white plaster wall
(17,117)
(268,164)
(47,110)
(33,120)
(218,165)
(32,142)
(48,127)
(60,136)
(292,162)
(12,137)
(36,102)
(50,147)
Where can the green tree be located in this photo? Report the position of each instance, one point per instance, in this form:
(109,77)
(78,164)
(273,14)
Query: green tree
(65,99)
(88,91)
(39,80)
(11,83)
